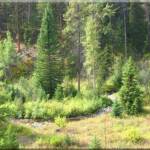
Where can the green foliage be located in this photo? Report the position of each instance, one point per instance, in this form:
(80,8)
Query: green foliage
(130,92)
(59,92)
(66,89)
(48,71)
(117,109)
(51,109)
(8,138)
(8,53)
(132,134)
(56,141)
(91,45)
(136,29)
(60,121)
(19,91)
(114,82)
(104,68)
(8,58)
(5,95)
(144,78)
(105,101)
(95,143)
(98,57)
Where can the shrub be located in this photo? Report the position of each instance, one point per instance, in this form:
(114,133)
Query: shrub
(109,86)
(105,101)
(4,94)
(24,90)
(8,138)
(61,121)
(35,110)
(114,82)
(116,109)
(68,88)
(95,143)
(132,134)
(130,92)
(56,141)
(51,109)
(59,95)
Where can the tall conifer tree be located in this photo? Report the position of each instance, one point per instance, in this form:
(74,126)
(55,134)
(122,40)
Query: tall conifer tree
(47,61)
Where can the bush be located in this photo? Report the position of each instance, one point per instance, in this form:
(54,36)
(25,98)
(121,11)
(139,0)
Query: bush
(61,121)
(109,86)
(56,141)
(26,90)
(132,135)
(116,109)
(51,109)
(4,94)
(59,95)
(68,88)
(95,143)
(105,101)
(114,82)
(8,138)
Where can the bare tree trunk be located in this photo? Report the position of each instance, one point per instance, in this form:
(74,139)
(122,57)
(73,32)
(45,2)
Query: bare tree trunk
(17,29)
(29,11)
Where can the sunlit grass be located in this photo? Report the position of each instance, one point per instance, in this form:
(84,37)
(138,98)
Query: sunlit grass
(112,132)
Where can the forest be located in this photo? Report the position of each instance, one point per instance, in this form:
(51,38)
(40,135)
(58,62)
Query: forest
(74,75)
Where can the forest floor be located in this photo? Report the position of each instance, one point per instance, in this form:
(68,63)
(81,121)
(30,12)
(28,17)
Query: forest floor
(112,132)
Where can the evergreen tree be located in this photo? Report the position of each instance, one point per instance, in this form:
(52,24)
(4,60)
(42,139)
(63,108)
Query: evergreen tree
(130,93)
(136,32)
(8,57)
(74,19)
(91,45)
(47,65)
(98,56)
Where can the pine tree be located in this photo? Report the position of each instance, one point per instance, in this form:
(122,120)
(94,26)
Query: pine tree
(8,57)
(74,18)
(136,31)
(130,93)
(47,65)
(7,50)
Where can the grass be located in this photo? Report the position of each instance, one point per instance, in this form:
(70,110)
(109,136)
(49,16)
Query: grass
(128,132)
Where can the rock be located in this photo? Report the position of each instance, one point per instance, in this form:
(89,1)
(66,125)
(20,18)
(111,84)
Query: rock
(58,130)
(37,125)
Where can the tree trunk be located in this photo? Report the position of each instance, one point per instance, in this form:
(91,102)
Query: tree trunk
(79,49)
(125,30)
(17,28)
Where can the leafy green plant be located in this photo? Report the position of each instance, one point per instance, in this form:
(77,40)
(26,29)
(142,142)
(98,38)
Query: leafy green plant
(60,121)
(59,95)
(8,139)
(132,134)
(19,91)
(68,88)
(56,141)
(95,143)
(105,101)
